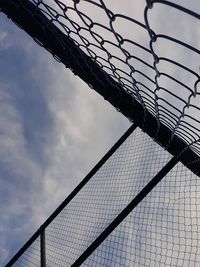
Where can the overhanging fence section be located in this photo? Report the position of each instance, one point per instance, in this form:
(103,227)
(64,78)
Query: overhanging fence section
(135,83)
(120,215)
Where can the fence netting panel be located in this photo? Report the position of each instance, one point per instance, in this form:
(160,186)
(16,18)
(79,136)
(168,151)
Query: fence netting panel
(150,49)
(163,230)
(108,192)
(31,257)
(153,58)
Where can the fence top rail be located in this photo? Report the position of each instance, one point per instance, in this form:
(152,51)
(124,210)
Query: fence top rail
(139,76)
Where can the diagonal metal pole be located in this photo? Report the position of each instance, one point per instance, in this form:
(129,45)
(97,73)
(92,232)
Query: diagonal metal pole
(143,193)
(72,195)
(42,249)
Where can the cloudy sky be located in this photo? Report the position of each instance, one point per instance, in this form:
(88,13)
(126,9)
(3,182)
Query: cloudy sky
(53,128)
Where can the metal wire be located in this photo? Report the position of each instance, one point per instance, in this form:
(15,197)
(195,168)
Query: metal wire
(104,196)
(140,74)
(31,257)
(163,230)
(147,82)
(109,51)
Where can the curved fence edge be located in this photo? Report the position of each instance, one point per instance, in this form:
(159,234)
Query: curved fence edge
(30,18)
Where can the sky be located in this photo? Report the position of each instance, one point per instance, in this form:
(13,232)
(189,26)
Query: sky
(53,128)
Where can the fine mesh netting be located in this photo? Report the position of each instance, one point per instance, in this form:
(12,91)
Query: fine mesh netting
(105,195)
(163,230)
(143,57)
(31,257)
(109,191)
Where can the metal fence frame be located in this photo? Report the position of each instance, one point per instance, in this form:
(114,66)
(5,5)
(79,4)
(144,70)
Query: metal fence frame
(115,94)
(89,71)
(121,216)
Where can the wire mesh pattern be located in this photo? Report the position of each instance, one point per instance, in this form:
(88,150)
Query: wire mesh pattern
(104,196)
(163,230)
(141,61)
(143,67)
(150,72)
(109,191)
(31,257)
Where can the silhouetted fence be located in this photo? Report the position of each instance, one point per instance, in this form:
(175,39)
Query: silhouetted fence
(123,213)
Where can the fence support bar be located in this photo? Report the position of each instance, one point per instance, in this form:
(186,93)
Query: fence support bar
(143,193)
(73,194)
(42,249)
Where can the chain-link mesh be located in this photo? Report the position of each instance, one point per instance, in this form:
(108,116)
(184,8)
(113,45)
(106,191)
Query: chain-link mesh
(149,70)
(163,230)
(147,66)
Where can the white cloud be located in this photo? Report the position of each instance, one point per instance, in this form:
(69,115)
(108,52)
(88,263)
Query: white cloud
(4,40)
(82,133)
(83,128)
(20,175)
(13,144)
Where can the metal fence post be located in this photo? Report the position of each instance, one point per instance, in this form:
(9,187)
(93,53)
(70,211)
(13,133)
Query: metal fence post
(42,249)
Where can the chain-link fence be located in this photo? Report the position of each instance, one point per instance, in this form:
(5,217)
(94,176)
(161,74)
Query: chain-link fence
(148,69)
(108,221)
